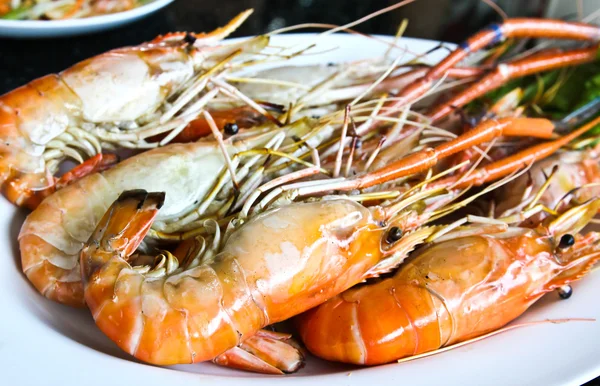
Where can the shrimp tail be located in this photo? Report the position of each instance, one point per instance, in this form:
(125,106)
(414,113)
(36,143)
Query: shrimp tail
(265,352)
(121,230)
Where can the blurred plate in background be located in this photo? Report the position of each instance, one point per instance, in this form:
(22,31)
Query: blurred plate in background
(70,27)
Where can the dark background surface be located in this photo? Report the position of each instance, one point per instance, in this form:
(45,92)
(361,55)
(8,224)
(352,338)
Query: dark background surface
(448,20)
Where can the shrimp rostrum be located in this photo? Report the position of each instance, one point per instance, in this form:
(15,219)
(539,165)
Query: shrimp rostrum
(440,297)
(114,100)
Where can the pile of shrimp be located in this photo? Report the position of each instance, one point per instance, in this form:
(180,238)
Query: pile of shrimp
(221,191)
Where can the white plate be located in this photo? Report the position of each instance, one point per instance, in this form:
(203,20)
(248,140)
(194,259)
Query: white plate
(42,342)
(70,27)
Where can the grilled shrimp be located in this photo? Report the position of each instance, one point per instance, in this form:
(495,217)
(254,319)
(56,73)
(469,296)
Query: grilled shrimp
(116,99)
(266,268)
(440,297)
(194,175)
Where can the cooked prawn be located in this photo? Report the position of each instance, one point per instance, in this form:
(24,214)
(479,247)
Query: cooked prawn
(440,297)
(266,268)
(116,99)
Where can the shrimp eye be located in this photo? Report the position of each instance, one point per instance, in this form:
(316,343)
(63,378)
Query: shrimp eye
(393,235)
(566,241)
(189,38)
(231,128)
(565,291)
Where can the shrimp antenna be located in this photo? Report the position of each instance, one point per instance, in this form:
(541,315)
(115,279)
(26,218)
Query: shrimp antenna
(358,21)
(444,211)
(572,192)
(346,26)
(496,8)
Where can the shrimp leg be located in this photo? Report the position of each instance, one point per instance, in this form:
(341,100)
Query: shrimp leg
(504,72)
(31,200)
(504,167)
(265,352)
(511,28)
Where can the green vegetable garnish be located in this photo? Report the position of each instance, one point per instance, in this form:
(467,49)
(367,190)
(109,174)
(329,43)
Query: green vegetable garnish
(17,13)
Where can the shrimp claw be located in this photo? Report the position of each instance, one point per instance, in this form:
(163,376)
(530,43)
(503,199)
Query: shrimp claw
(122,228)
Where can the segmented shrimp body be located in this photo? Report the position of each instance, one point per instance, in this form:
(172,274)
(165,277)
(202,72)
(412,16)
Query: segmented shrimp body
(274,266)
(80,111)
(451,291)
